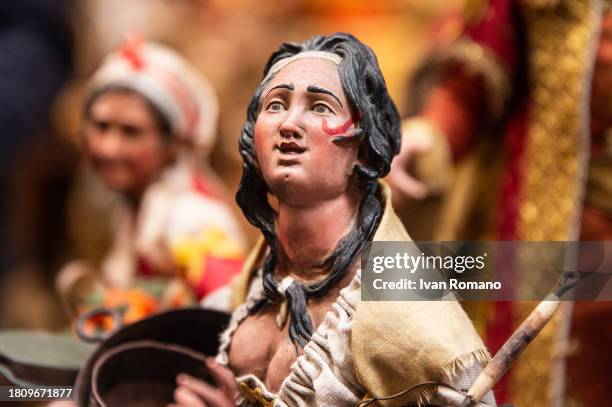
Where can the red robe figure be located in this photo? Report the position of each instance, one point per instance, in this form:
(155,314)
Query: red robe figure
(526,88)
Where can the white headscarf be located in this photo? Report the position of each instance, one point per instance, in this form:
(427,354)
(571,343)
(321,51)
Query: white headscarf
(182,95)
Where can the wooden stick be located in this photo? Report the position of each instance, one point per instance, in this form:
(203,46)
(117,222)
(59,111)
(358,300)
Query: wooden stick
(519,340)
(513,347)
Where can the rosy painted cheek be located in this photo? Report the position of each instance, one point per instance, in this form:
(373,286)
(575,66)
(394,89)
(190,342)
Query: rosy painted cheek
(91,145)
(259,144)
(147,161)
(263,140)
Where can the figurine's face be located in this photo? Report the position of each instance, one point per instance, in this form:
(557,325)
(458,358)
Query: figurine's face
(302,109)
(123,142)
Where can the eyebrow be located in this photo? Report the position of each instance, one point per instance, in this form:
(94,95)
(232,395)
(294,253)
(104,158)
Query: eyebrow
(281,86)
(318,89)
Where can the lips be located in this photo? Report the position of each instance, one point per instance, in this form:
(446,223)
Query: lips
(290,148)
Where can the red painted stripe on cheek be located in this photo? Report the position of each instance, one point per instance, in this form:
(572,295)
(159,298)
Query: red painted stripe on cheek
(334,131)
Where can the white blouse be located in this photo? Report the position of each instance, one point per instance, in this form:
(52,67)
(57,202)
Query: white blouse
(324,375)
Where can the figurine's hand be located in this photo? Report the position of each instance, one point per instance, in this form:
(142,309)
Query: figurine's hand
(416,140)
(192,392)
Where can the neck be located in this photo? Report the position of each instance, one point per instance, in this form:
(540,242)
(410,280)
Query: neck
(307,235)
(133,200)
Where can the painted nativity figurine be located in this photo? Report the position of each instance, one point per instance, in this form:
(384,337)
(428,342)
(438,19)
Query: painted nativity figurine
(321,131)
(149,122)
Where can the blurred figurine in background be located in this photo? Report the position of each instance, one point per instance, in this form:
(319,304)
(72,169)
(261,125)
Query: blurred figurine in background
(525,88)
(149,122)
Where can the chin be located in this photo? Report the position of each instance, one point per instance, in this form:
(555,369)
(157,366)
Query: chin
(287,183)
(284,179)
(118,185)
(300,193)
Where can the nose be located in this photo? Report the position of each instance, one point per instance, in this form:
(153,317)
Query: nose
(108,144)
(292,128)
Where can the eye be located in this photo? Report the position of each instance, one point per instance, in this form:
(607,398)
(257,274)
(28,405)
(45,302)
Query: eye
(100,126)
(131,131)
(275,106)
(322,108)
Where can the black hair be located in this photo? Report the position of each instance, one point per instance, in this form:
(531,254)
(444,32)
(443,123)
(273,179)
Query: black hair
(162,122)
(379,130)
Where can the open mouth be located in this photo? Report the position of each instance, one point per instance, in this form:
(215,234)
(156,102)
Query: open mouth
(290,148)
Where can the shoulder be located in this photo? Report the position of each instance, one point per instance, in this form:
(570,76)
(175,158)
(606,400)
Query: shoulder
(400,344)
(189,213)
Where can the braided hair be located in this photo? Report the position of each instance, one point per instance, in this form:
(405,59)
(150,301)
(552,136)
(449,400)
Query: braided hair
(379,128)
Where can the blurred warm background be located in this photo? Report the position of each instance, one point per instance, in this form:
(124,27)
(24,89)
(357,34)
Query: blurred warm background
(48,214)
